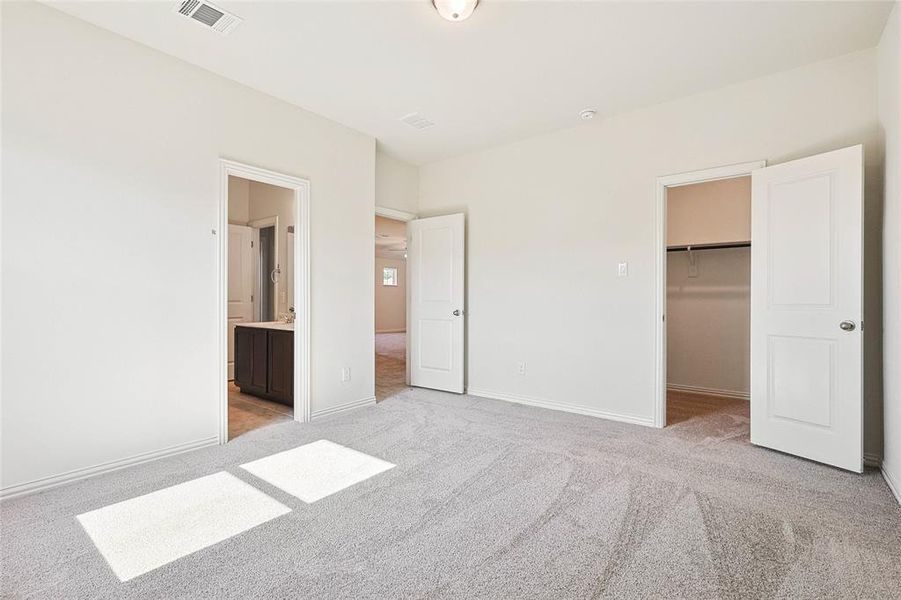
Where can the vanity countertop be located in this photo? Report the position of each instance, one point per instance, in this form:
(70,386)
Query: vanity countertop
(280,325)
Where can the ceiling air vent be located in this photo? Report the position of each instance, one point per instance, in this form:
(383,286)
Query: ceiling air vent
(417,121)
(208,15)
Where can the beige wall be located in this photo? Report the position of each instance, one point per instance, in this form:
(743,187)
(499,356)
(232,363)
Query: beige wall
(396,184)
(550,217)
(709,213)
(114,149)
(890,120)
(390,302)
(238,200)
(708,321)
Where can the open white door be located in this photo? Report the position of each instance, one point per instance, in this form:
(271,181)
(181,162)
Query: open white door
(241,271)
(807,308)
(435,261)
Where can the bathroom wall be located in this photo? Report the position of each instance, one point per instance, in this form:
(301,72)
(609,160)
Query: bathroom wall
(238,200)
(264,201)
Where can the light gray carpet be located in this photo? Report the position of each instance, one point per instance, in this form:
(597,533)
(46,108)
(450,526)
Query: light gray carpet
(496,500)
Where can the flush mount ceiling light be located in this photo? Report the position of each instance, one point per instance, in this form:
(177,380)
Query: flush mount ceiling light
(587,114)
(455,10)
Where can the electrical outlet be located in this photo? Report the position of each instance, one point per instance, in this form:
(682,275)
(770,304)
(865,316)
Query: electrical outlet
(521,368)
(345,374)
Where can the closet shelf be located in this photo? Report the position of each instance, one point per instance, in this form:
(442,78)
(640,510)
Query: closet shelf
(708,246)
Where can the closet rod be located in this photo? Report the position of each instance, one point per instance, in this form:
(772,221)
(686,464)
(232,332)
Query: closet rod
(708,247)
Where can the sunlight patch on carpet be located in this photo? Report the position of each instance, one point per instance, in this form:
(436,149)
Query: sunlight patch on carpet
(147,532)
(314,471)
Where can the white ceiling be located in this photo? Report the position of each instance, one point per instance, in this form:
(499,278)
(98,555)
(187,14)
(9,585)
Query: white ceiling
(513,70)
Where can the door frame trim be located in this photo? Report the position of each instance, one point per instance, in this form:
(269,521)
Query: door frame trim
(301,188)
(664,182)
(396,215)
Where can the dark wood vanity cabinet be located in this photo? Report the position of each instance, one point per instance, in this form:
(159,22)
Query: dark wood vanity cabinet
(264,363)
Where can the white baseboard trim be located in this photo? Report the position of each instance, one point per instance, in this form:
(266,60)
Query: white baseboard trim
(45,483)
(334,410)
(391,331)
(570,408)
(694,389)
(894,486)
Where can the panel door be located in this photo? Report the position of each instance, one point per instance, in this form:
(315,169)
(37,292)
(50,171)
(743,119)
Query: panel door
(436,278)
(807,309)
(241,270)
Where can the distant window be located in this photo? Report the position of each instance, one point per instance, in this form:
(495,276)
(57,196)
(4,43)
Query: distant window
(389,276)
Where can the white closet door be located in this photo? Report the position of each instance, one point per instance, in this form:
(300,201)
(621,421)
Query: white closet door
(436,262)
(807,309)
(241,269)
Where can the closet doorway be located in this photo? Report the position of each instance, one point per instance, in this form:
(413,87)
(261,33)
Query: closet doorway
(705,342)
(806,302)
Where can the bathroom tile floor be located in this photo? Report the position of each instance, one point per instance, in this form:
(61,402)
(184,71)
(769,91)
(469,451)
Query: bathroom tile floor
(246,412)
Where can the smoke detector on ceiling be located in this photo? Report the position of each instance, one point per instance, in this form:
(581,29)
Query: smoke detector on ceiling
(208,15)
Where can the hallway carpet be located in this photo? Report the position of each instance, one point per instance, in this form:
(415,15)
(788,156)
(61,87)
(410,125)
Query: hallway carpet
(496,500)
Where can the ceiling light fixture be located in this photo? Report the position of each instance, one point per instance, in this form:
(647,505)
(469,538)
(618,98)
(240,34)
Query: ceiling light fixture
(455,10)
(587,114)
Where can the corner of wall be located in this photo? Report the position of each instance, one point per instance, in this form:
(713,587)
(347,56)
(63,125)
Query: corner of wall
(889,98)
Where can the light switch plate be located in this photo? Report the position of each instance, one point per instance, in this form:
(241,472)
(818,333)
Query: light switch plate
(622,270)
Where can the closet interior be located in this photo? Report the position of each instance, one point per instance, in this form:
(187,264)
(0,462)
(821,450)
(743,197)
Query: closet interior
(708,270)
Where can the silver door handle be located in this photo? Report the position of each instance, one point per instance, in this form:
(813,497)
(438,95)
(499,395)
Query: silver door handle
(457,313)
(847,325)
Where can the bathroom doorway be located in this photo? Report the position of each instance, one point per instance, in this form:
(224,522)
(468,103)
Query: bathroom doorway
(265,331)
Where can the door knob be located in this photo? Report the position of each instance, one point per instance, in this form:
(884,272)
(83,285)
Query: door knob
(457,313)
(847,325)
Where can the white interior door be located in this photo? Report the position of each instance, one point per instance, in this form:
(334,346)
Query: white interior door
(436,273)
(241,271)
(807,308)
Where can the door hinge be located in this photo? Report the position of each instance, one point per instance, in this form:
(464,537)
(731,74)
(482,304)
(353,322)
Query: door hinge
(663,318)
(251,243)
(251,297)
